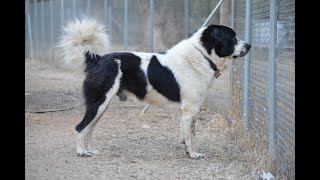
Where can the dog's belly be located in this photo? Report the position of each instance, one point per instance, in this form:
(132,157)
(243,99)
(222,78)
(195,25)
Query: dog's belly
(156,99)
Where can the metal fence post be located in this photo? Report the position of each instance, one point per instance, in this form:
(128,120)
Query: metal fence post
(231,62)
(62,11)
(151,25)
(110,21)
(186,19)
(51,31)
(42,25)
(125,25)
(88,6)
(29,30)
(232,14)
(105,5)
(247,65)
(35,30)
(272,75)
(74,9)
(30,36)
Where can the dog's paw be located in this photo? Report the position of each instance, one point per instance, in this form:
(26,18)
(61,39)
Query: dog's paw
(84,154)
(195,155)
(182,141)
(87,153)
(94,152)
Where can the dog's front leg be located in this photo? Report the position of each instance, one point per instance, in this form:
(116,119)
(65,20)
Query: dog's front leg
(188,131)
(182,131)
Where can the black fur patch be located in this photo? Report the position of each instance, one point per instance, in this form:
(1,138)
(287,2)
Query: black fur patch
(133,78)
(100,77)
(220,38)
(163,80)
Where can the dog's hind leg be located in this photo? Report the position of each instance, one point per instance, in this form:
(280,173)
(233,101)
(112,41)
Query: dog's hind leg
(93,114)
(188,130)
(88,124)
(94,111)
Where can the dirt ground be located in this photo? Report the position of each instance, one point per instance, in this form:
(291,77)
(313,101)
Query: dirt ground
(131,145)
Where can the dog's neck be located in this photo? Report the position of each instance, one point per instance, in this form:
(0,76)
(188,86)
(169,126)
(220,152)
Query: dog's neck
(220,63)
(212,65)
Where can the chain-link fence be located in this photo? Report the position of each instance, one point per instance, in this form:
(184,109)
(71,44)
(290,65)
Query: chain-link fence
(266,76)
(127,21)
(269,86)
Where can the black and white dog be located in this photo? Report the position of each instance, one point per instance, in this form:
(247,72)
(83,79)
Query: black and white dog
(181,76)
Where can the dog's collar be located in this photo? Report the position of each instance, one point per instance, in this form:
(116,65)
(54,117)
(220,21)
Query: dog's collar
(212,65)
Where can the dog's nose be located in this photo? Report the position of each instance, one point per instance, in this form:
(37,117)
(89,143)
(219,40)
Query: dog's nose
(248,46)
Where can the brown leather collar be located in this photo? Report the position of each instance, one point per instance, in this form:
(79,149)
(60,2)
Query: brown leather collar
(212,65)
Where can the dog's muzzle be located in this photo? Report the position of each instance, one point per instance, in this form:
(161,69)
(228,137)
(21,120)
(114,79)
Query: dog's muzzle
(245,50)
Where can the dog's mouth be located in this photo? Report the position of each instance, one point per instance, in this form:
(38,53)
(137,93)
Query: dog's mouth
(243,53)
(241,49)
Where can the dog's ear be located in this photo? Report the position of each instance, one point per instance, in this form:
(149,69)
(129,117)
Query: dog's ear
(206,39)
(216,36)
(211,37)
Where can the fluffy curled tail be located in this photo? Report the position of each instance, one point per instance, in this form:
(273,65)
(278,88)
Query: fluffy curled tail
(82,36)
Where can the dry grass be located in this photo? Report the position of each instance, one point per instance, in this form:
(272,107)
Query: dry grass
(242,149)
(288,163)
(256,151)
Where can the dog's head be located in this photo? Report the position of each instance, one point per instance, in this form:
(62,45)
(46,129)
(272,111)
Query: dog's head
(222,41)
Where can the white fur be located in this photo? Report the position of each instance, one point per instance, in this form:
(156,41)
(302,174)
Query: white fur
(190,68)
(194,75)
(185,60)
(239,47)
(81,36)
